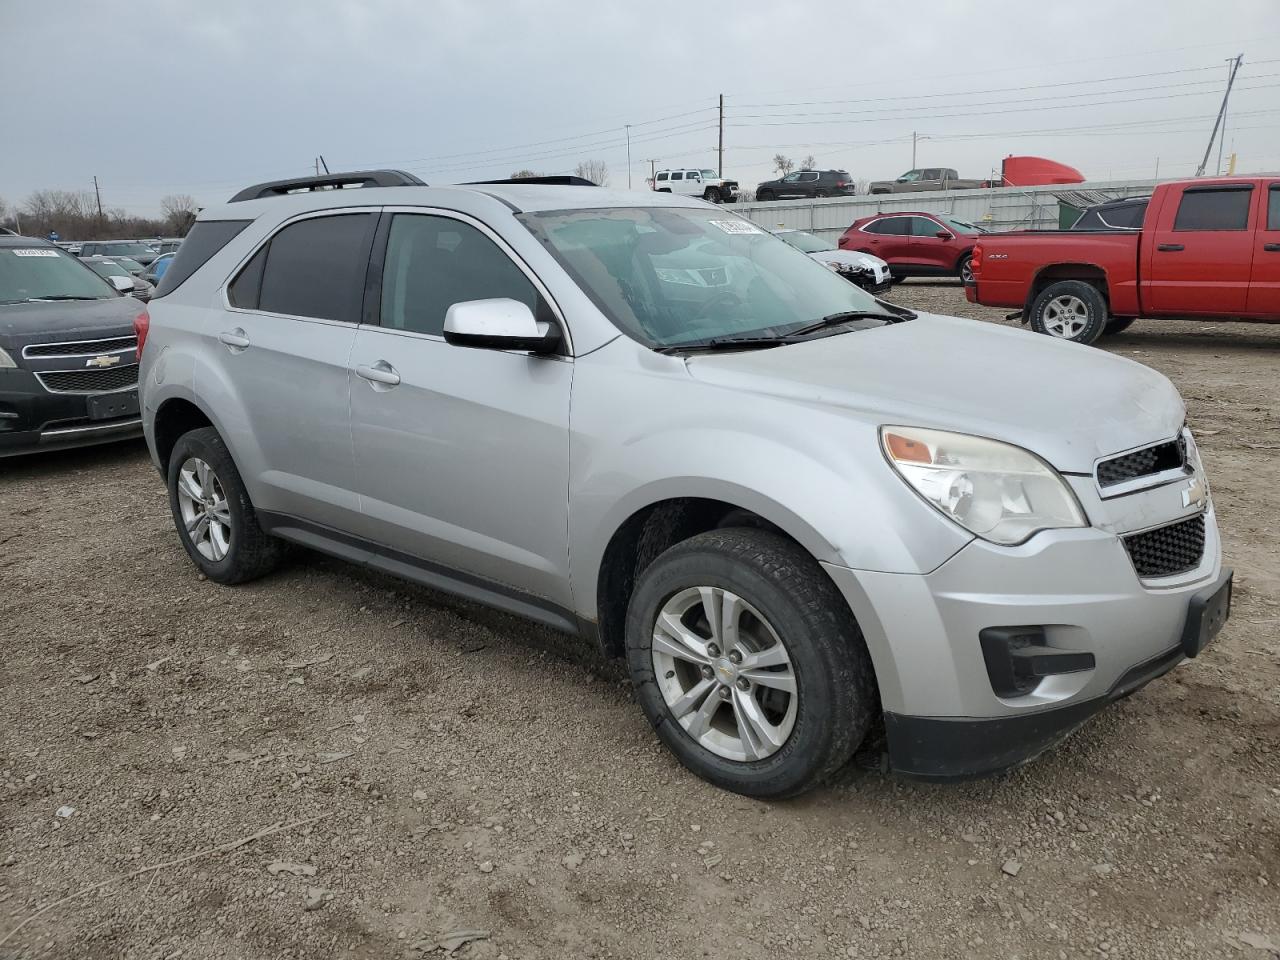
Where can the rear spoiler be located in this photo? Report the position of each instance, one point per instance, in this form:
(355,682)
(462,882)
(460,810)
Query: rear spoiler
(332,181)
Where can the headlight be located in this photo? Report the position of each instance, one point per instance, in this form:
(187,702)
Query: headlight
(998,491)
(6,361)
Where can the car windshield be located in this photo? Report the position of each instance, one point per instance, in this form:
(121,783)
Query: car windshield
(46,273)
(124,248)
(709,173)
(683,277)
(107,268)
(960,226)
(131,265)
(806,242)
(161,265)
(911,176)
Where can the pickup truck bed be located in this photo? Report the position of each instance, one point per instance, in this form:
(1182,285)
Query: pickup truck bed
(1208,249)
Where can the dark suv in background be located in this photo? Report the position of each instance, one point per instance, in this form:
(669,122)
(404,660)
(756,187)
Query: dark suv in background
(68,352)
(807,183)
(133,249)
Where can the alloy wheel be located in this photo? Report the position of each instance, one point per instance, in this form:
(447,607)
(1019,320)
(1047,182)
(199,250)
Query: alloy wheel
(1065,317)
(724,673)
(205,511)
(966,271)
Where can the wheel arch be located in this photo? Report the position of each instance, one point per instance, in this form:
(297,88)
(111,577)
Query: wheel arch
(174,417)
(1085,272)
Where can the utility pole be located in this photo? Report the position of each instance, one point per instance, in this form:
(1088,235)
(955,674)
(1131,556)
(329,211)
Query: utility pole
(1222,112)
(317,161)
(1222,137)
(97,193)
(720,151)
(653,170)
(628,156)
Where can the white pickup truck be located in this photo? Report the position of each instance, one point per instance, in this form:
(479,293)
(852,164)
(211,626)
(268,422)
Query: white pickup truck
(696,183)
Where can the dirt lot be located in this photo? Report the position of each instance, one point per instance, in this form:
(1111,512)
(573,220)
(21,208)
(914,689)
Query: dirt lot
(463,771)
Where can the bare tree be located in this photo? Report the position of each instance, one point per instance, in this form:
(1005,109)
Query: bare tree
(782,165)
(862,186)
(179,211)
(74,214)
(808,163)
(594,170)
(525,174)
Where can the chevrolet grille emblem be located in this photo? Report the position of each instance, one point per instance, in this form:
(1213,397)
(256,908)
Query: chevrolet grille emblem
(1195,494)
(103,361)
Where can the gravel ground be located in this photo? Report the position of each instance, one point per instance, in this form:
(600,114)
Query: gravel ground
(442,770)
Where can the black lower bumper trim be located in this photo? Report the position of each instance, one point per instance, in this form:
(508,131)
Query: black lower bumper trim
(934,748)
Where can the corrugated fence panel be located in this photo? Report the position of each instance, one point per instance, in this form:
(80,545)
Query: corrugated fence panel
(1000,208)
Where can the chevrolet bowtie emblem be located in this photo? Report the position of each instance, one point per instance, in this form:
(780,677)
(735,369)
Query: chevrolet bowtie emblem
(103,361)
(1195,494)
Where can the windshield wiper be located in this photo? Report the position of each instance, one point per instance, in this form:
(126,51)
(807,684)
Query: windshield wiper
(726,343)
(63,296)
(843,316)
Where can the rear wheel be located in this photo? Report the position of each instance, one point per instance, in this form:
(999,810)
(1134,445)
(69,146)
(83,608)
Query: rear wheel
(712,195)
(216,520)
(822,194)
(764,196)
(966,268)
(748,664)
(1070,310)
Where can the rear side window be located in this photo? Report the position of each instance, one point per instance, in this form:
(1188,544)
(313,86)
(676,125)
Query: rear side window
(1213,210)
(677,176)
(434,262)
(1273,209)
(312,268)
(206,238)
(246,288)
(893,226)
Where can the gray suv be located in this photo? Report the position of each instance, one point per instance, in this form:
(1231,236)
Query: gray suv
(792,508)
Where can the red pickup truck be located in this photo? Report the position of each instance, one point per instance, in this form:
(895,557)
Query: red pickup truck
(1208,249)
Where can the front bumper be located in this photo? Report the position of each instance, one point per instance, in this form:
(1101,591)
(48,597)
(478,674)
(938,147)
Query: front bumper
(33,419)
(943,715)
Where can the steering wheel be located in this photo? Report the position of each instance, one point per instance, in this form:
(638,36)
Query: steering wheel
(728,298)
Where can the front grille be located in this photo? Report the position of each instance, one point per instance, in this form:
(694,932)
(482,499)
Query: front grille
(1143,463)
(1169,550)
(90,381)
(80,348)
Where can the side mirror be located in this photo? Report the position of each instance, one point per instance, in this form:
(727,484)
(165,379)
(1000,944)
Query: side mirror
(498,324)
(122,284)
(943,235)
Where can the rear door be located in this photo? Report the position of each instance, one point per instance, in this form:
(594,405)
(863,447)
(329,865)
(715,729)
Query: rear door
(284,345)
(889,238)
(1264,281)
(463,460)
(1199,252)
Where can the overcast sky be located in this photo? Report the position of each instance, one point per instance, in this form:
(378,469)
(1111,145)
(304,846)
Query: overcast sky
(179,96)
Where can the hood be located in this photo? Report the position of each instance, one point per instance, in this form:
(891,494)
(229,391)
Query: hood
(848,258)
(49,322)
(1067,403)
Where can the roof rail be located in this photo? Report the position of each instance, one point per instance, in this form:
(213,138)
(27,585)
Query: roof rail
(554,181)
(330,181)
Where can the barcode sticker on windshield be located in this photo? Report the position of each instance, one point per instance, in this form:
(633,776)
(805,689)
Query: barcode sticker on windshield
(35,253)
(735,226)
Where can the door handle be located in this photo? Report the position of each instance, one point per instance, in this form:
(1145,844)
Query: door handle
(1169,247)
(379,372)
(235,339)
(1271,247)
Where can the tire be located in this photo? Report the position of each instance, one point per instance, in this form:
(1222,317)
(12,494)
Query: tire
(821,195)
(964,269)
(1117,325)
(244,551)
(712,195)
(784,600)
(1070,310)
(764,196)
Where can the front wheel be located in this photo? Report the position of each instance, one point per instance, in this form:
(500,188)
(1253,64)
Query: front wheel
(1070,310)
(748,663)
(712,195)
(216,521)
(764,196)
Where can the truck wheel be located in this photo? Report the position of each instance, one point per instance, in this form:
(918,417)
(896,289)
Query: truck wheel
(216,520)
(748,663)
(1117,325)
(764,196)
(1070,310)
(712,195)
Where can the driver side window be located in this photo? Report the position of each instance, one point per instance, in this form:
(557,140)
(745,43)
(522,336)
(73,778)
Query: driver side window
(791,178)
(434,262)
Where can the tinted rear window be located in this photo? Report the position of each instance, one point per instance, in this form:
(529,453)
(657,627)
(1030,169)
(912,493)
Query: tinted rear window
(206,238)
(316,267)
(1213,210)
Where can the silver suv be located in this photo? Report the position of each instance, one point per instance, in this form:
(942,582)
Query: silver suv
(793,508)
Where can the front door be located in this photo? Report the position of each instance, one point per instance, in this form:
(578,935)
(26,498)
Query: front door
(462,454)
(1264,281)
(929,251)
(1199,255)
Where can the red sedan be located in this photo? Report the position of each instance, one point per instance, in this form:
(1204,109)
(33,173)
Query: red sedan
(916,244)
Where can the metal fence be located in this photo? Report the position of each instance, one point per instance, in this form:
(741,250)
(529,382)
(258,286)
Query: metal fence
(999,208)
